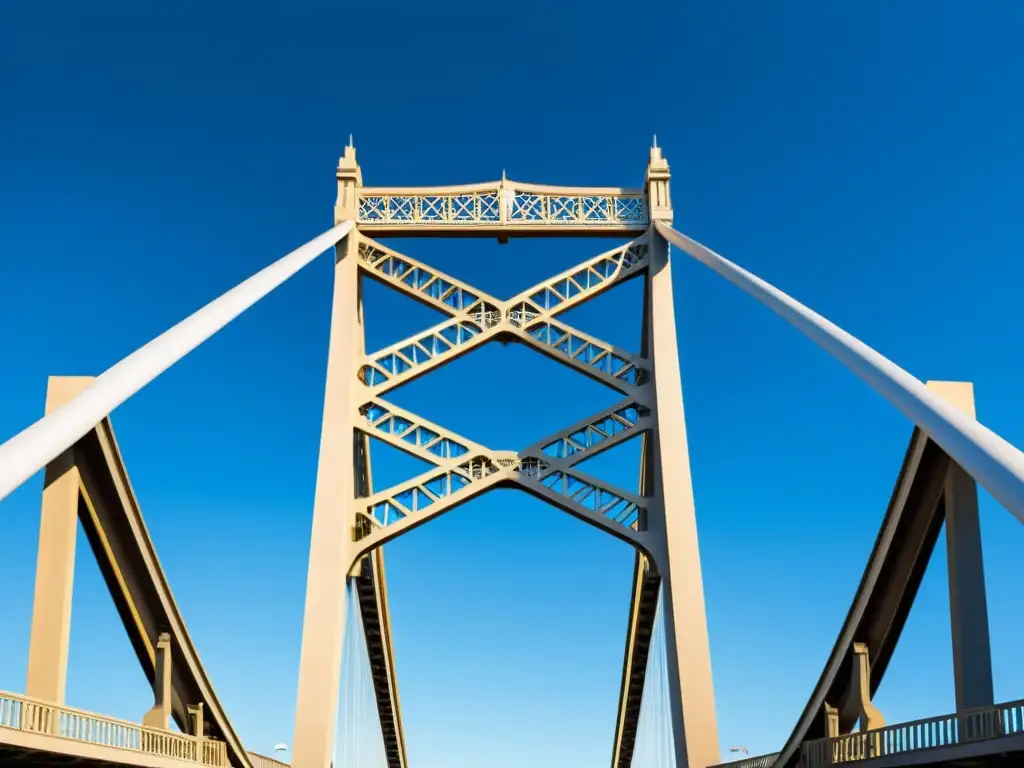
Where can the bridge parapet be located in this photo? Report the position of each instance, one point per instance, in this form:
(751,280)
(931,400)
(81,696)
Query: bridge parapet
(933,733)
(32,716)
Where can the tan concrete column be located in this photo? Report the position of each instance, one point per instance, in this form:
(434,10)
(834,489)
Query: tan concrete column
(672,520)
(831,721)
(870,716)
(968,608)
(330,551)
(198,721)
(159,715)
(55,563)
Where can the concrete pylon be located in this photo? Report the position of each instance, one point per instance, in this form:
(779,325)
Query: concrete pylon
(331,542)
(672,524)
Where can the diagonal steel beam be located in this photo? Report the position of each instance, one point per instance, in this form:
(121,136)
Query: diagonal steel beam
(412,357)
(531,315)
(395,510)
(620,513)
(586,280)
(416,279)
(414,434)
(590,436)
(606,363)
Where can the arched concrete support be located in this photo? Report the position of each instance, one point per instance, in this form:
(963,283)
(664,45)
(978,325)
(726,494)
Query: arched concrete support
(672,528)
(330,550)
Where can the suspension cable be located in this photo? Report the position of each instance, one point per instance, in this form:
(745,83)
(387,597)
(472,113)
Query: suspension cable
(988,458)
(36,446)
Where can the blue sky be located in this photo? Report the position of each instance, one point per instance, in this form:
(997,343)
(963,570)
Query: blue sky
(865,157)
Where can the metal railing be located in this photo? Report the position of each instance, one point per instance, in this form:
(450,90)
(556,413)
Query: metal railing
(932,733)
(21,713)
(758,761)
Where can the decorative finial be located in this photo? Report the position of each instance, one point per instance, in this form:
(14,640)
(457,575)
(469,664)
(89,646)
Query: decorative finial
(351,141)
(503,177)
(655,144)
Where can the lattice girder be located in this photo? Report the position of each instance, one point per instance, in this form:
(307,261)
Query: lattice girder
(393,510)
(479,318)
(590,436)
(585,280)
(618,512)
(413,434)
(619,369)
(416,355)
(416,279)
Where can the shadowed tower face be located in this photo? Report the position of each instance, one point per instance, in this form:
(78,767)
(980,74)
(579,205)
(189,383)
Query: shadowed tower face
(352,519)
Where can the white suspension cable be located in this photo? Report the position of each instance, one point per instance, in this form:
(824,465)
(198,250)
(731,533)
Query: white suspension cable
(36,446)
(987,457)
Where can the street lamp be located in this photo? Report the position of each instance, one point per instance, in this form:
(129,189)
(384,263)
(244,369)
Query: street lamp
(280,748)
(739,749)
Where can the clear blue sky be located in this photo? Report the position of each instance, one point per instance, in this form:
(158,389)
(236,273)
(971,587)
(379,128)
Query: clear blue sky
(866,157)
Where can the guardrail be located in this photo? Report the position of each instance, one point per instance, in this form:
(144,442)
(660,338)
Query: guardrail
(21,713)
(758,761)
(932,733)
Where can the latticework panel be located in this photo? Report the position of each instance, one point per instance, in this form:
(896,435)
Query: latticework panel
(598,432)
(502,203)
(401,360)
(418,495)
(415,278)
(592,356)
(591,496)
(585,280)
(464,468)
(538,207)
(409,433)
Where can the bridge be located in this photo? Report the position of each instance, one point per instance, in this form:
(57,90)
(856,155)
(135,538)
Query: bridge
(666,712)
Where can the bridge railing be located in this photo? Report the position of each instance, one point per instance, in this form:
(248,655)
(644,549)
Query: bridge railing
(931,733)
(758,761)
(21,713)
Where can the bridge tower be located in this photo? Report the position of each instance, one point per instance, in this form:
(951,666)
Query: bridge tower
(352,519)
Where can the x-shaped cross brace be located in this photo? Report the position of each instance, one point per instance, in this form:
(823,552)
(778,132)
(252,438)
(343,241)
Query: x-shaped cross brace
(464,469)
